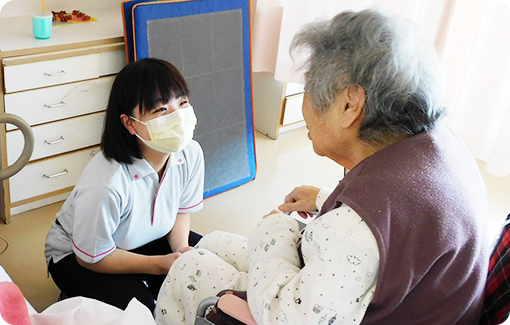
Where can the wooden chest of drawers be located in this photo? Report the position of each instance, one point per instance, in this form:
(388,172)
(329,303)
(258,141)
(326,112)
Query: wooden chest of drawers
(61,89)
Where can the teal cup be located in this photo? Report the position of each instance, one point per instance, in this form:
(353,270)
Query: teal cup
(42,23)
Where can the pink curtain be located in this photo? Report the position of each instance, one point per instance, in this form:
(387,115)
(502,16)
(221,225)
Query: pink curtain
(471,37)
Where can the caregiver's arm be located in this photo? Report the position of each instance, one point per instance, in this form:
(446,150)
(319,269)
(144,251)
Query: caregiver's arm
(124,262)
(121,261)
(336,283)
(178,237)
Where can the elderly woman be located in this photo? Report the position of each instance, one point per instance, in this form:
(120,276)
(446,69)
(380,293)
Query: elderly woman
(401,240)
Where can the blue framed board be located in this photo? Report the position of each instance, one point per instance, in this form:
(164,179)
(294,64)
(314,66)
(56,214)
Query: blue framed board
(209,42)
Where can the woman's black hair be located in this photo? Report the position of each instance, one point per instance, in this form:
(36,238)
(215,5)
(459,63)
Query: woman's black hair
(141,83)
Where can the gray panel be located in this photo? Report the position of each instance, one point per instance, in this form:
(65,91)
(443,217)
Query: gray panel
(227,39)
(165,40)
(229,93)
(226,156)
(203,100)
(197,45)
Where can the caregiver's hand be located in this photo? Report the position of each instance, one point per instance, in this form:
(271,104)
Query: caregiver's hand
(301,199)
(184,249)
(167,261)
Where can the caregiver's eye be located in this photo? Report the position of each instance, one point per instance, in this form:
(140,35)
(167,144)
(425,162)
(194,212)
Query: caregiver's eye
(161,109)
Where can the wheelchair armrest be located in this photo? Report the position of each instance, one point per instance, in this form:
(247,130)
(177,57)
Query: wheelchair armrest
(206,303)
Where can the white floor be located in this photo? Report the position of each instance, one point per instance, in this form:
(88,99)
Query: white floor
(282,165)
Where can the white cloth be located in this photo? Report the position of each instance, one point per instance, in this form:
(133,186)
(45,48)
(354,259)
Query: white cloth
(335,286)
(126,206)
(85,311)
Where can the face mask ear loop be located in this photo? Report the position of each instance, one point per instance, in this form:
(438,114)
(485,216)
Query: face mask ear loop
(144,123)
(139,137)
(134,118)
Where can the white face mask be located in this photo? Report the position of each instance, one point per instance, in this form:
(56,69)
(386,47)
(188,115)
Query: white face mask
(171,132)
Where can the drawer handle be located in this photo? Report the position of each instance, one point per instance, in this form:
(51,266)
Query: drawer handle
(61,139)
(55,74)
(56,175)
(55,105)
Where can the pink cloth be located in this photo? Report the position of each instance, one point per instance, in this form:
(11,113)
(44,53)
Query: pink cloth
(13,308)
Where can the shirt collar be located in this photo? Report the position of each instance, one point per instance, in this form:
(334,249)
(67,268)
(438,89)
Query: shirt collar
(176,158)
(141,167)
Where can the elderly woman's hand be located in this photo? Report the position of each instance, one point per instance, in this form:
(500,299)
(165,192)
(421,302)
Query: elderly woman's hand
(301,199)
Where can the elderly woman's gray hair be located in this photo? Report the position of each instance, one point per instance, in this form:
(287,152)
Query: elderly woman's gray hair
(399,72)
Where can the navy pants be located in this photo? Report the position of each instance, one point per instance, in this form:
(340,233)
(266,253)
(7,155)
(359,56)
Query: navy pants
(114,289)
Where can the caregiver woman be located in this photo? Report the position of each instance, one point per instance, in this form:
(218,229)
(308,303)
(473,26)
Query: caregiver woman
(128,218)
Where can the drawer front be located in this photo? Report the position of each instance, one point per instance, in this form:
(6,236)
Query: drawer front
(112,61)
(293,109)
(51,72)
(59,102)
(49,175)
(58,137)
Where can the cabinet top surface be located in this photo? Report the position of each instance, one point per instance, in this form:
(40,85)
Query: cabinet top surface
(16,32)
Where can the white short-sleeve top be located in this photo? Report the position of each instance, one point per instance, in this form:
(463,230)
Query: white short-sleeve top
(125,205)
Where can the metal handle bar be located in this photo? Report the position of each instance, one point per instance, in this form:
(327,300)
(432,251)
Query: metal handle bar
(61,139)
(27,150)
(55,74)
(57,174)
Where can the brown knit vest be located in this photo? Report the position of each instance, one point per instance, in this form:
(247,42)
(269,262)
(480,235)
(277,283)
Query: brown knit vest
(425,202)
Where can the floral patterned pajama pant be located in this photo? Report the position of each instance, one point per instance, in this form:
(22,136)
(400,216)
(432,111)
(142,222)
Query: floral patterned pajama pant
(218,262)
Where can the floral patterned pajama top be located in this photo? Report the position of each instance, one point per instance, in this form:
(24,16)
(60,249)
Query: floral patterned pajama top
(334,286)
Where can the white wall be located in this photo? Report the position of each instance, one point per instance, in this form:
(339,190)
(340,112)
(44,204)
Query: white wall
(26,7)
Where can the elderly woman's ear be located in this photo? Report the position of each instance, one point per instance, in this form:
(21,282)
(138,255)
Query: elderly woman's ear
(350,103)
